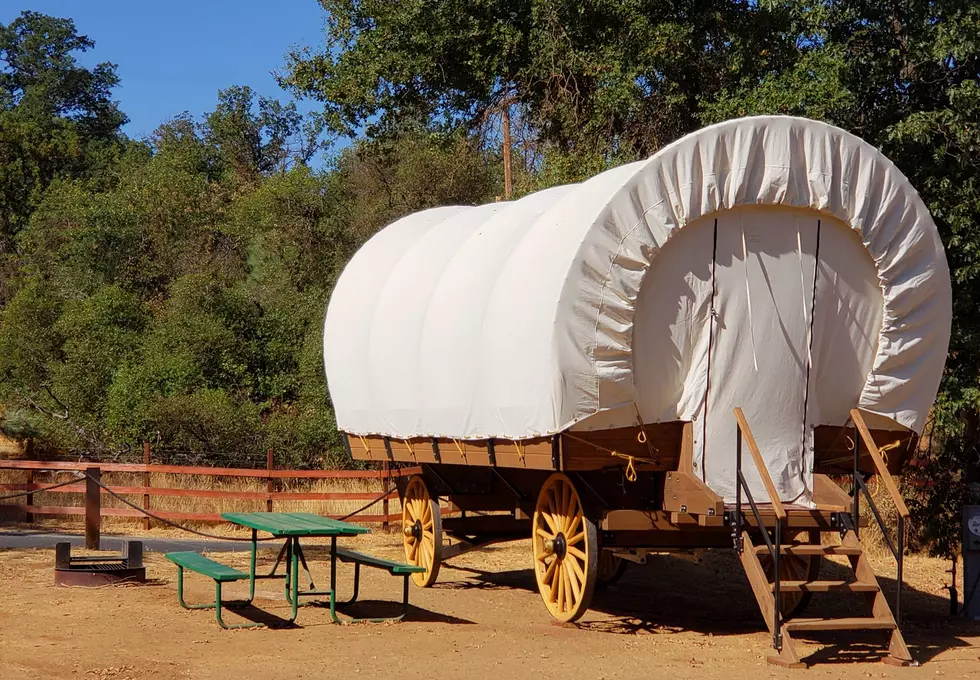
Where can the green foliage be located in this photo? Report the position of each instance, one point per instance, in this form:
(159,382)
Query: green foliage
(54,114)
(174,289)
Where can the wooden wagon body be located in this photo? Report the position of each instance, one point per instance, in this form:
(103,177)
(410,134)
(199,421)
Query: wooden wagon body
(662,358)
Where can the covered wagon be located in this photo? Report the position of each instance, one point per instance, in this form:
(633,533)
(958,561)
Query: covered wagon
(588,365)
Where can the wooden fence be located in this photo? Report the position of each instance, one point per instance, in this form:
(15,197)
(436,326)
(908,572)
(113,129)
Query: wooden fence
(142,494)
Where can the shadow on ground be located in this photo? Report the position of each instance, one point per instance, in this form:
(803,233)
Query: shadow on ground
(713,597)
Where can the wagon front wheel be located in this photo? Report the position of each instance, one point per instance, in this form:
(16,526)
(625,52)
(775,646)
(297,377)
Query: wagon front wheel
(422,531)
(566,549)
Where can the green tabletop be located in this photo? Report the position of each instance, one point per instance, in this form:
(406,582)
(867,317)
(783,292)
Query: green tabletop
(293,523)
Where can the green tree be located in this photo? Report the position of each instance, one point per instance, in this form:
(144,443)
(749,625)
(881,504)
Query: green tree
(904,76)
(612,79)
(53,113)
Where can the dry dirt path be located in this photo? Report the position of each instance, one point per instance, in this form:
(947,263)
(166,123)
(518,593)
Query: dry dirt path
(669,619)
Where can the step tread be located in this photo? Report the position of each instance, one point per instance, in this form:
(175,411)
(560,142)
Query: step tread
(851,623)
(810,550)
(825,586)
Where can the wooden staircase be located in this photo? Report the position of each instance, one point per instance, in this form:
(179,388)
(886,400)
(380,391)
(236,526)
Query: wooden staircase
(864,582)
(774,594)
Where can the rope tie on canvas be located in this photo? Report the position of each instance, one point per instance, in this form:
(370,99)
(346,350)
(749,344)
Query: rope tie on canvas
(520,450)
(411,450)
(461,451)
(631,461)
(642,436)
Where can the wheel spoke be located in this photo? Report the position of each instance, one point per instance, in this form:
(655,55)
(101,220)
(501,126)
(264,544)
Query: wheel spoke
(573,579)
(576,567)
(568,511)
(550,501)
(576,539)
(570,598)
(427,511)
(550,522)
(574,524)
(560,577)
(553,594)
(544,534)
(572,550)
(549,572)
(414,554)
(427,526)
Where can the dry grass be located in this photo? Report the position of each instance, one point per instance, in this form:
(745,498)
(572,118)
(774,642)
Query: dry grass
(208,505)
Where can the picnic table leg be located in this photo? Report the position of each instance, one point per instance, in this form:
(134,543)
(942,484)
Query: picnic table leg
(251,567)
(275,567)
(306,568)
(357,581)
(217,612)
(404,599)
(294,572)
(289,569)
(333,580)
(180,593)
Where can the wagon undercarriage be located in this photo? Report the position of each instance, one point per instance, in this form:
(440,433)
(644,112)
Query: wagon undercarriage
(587,524)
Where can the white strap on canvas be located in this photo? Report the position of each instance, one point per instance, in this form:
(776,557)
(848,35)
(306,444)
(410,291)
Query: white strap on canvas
(806,315)
(748,294)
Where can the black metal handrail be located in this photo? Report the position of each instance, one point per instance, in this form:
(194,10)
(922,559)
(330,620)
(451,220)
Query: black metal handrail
(773,546)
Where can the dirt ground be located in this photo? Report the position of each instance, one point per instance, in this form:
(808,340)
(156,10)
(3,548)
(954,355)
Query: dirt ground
(669,618)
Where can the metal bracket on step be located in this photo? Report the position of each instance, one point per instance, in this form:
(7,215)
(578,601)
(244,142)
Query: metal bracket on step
(737,542)
(842,521)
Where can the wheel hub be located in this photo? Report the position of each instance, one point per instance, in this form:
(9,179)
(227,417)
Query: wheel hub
(559,546)
(413,530)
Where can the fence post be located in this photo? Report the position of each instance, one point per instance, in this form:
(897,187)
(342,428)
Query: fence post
(146,483)
(93,508)
(385,482)
(29,517)
(271,486)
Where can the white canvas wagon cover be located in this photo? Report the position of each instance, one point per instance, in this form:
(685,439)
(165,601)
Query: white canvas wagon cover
(774,263)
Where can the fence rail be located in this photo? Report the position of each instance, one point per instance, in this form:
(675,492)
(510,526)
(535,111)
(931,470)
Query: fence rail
(144,492)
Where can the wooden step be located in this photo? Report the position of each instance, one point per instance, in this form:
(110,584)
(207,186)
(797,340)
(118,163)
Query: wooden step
(795,625)
(825,586)
(805,550)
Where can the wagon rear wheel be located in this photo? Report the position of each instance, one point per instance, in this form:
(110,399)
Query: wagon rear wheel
(611,569)
(566,549)
(794,568)
(422,531)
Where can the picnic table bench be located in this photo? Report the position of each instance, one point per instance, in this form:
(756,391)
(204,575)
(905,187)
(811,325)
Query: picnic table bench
(291,526)
(221,573)
(393,568)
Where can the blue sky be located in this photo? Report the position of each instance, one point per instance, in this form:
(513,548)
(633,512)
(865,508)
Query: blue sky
(174,56)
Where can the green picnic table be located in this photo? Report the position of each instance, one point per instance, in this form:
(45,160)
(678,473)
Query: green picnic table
(291,526)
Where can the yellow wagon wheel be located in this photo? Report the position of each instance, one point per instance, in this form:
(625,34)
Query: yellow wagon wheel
(794,568)
(611,569)
(566,549)
(422,530)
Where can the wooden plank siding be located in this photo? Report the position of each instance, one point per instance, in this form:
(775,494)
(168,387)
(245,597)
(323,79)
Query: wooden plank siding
(580,451)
